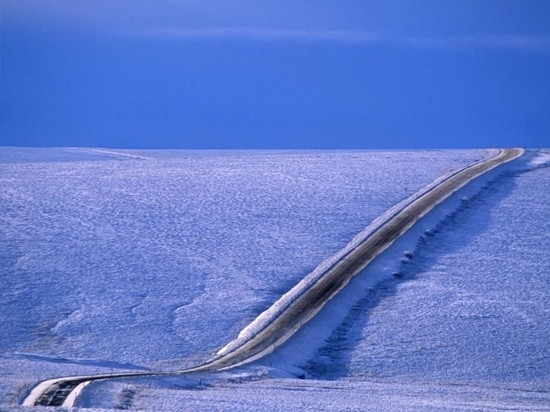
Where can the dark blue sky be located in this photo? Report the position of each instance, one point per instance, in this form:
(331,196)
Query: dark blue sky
(275,74)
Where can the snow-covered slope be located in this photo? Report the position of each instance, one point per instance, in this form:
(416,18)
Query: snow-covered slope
(171,256)
(473,306)
(462,326)
(113,260)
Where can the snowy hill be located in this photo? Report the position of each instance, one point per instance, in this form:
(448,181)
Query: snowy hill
(142,260)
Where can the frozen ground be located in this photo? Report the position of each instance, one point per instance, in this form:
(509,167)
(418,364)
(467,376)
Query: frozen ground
(473,305)
(116,260)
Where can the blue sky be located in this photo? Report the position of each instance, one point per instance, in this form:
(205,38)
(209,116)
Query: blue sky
(212,74)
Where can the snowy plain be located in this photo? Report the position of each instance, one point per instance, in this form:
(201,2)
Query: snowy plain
(156,259)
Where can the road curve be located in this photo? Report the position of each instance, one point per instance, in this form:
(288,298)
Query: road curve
(63,391)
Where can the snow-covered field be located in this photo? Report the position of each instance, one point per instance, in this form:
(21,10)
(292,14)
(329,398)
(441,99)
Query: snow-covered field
(113,260)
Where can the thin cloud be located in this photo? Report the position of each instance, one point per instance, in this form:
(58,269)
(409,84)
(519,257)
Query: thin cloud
(246,33)
(510,42)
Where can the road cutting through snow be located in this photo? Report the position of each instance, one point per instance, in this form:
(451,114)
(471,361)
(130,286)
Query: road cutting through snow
(286,316)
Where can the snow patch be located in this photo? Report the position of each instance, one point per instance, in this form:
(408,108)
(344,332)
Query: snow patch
(540,157)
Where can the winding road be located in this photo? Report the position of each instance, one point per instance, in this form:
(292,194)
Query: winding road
(64,391)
